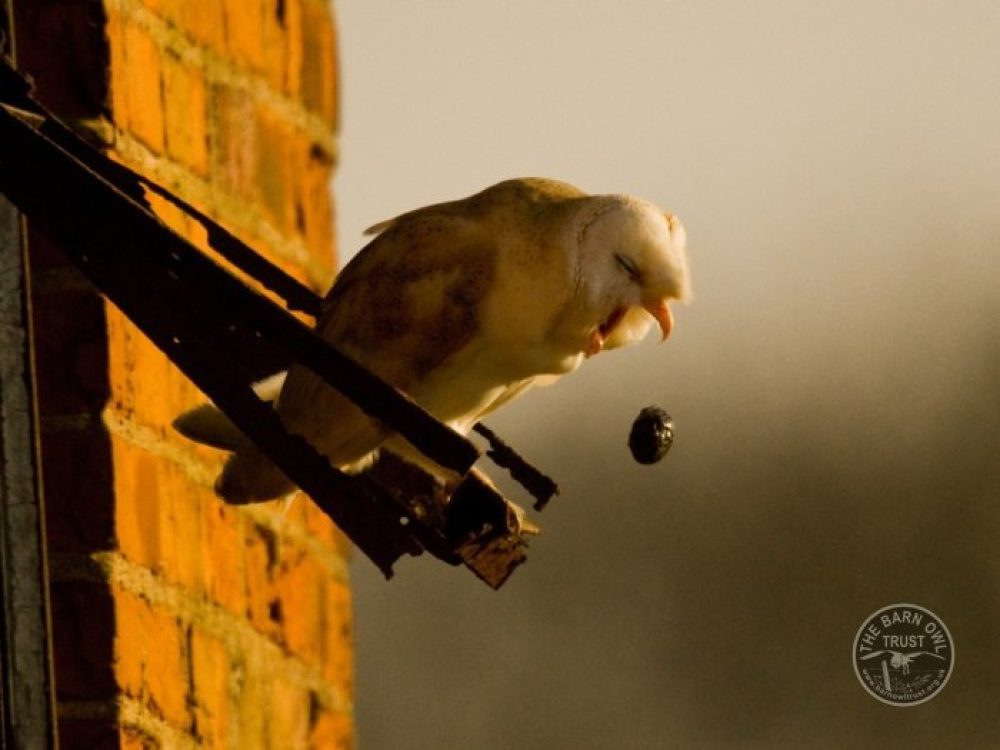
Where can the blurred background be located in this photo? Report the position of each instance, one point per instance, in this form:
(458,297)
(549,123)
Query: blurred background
(834,384)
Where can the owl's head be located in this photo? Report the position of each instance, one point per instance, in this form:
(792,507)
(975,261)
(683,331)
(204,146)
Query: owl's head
(632,264)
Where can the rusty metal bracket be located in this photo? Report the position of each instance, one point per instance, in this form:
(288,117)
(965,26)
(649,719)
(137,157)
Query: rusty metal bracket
(225,336)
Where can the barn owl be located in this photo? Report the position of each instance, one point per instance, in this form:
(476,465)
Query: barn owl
(464,306)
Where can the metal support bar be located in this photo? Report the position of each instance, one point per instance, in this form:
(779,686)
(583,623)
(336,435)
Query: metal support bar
(99,194)
(202,316)
(224,335)
(15,91)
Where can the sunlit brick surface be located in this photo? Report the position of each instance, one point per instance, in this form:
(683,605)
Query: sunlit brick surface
(179,621)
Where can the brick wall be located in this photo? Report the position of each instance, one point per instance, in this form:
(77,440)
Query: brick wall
(180,622)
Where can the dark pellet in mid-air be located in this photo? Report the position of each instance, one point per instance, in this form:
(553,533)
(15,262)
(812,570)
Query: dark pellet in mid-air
(651,436)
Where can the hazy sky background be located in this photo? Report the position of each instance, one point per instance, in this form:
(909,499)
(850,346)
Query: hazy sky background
(835,383)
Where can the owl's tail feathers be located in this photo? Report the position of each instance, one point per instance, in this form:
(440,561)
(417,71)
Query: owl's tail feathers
(248,476)
(208,425)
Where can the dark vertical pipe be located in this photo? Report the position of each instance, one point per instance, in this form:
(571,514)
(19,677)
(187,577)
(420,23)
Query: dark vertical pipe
(27,688)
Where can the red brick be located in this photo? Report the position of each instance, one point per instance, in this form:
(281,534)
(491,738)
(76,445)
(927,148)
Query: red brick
(129,646)
(252,708)
(157,6)
(332,731)
(275,43)
(79,499)
(82,626)
(71,357)
(88,734)
(314,210)
(259,555)
(299,585)
(288,717)
(210,674)
(236,150)
(319,69)
(132,739)
(321,528)
(105,491)
(289,27)
(150,659)
(186,114)
(245,32)
(337,652)
(158,519)
(137,82)
(203,21)
(223,555)
(145,384)
(121,362)
(294,512)
(171,215)
(65,57)
(278,171)
(118,69)
(139,510)
(188,567)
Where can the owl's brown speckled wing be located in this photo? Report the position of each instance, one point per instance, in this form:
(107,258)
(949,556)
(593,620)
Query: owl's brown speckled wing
(406,304)
(448,303)
(464,306)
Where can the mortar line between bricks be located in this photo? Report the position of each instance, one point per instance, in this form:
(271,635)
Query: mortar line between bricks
(201,473)
(195,469)
(220,70)
(54,424)
(60,281)
(245,215)
(132,714)
(80,709)
(234,632)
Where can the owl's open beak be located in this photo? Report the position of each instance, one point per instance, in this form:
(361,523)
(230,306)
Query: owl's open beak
(599,336)
(661,312)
